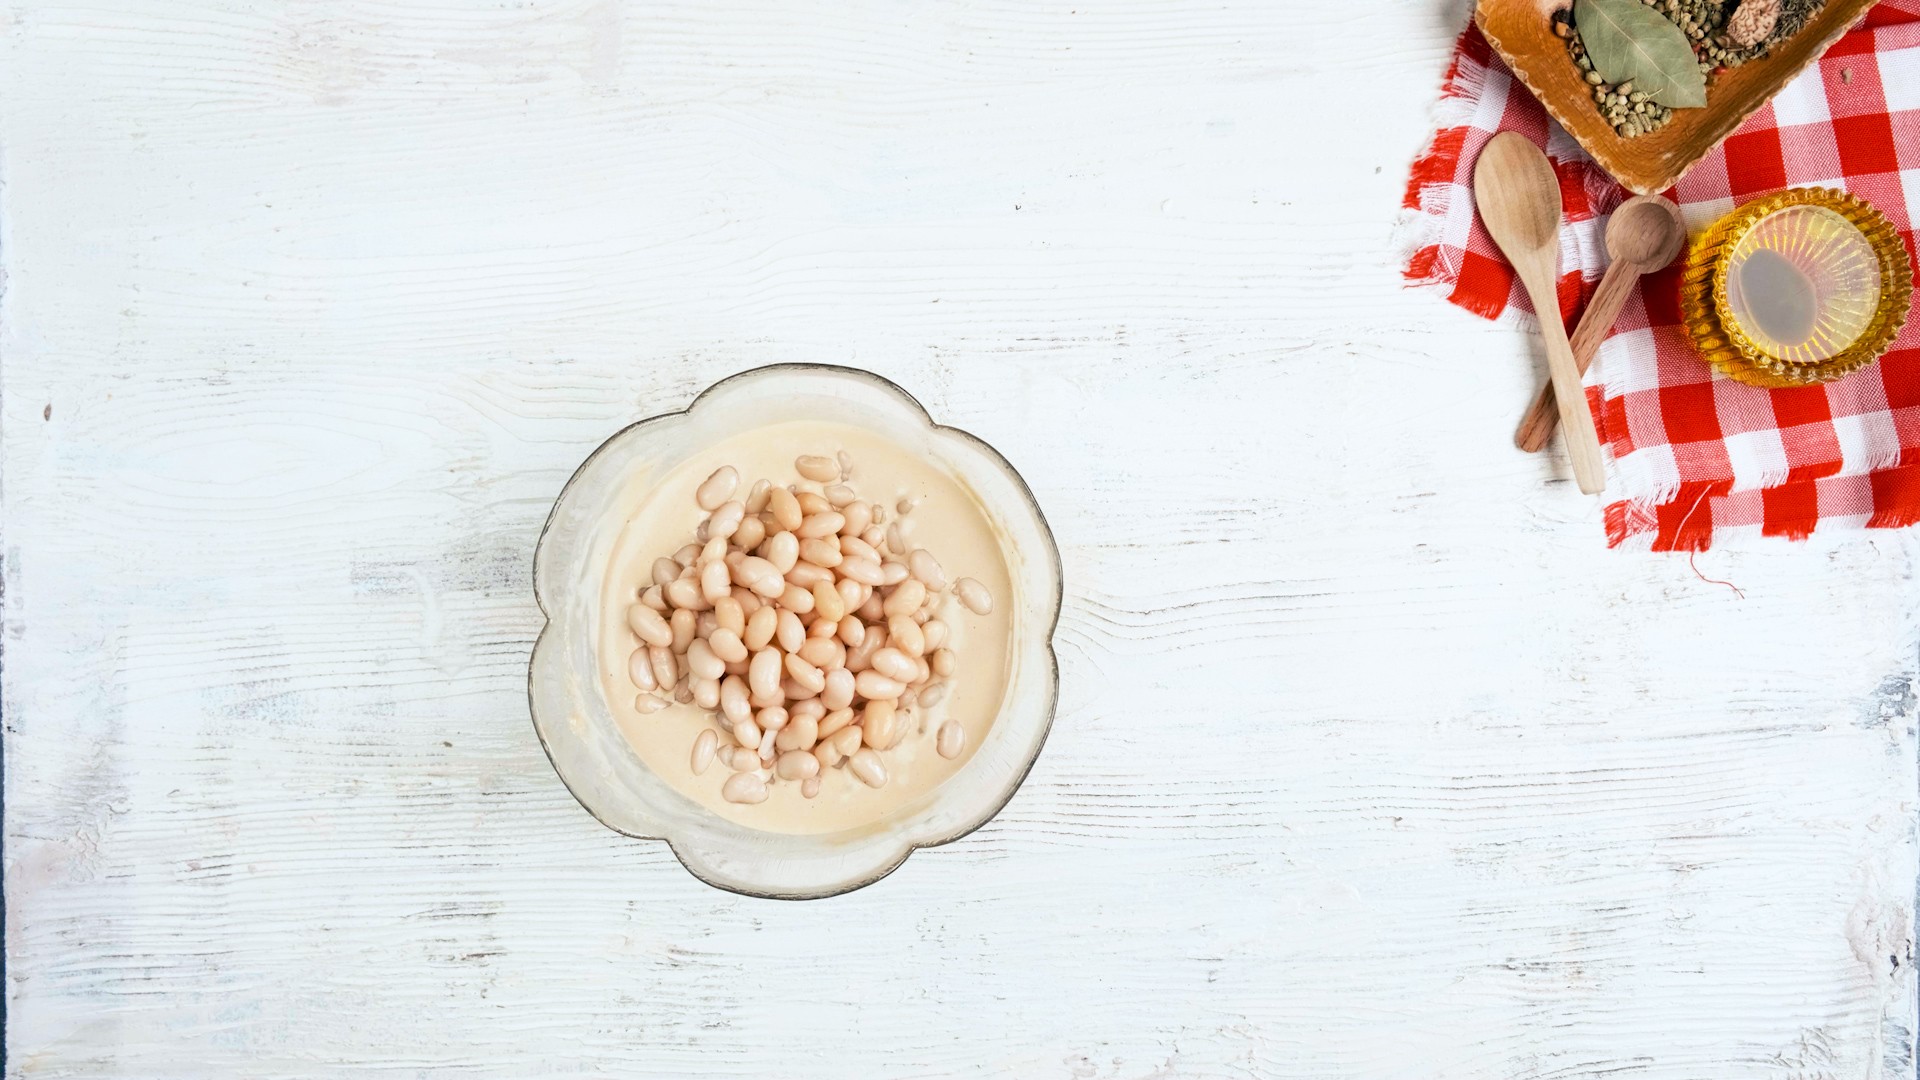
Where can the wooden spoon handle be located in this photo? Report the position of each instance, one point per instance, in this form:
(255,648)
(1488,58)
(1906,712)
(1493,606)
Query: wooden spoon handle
(1536,428)
(1576,420)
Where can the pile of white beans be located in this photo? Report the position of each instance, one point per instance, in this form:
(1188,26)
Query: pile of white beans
(803,620)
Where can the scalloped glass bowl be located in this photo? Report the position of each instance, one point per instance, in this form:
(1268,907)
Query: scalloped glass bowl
(592,756)
(1858,281)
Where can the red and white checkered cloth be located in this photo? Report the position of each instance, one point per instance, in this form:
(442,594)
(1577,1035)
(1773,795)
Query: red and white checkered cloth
(1696,457)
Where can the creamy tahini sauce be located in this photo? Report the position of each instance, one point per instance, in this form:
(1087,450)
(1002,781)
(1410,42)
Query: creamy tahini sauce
(947,520)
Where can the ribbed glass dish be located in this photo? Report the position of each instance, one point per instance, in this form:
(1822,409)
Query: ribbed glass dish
(1801,287)
(579,732)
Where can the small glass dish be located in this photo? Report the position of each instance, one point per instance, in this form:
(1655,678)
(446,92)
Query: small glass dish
(1801,287)
(581,736)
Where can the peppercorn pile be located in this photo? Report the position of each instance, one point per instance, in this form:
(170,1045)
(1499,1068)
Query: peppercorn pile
(1723,33)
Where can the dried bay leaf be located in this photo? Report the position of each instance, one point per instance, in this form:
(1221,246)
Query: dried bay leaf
(1626,39)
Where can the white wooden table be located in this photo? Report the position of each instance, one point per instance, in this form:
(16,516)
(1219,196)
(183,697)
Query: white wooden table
(1371,760)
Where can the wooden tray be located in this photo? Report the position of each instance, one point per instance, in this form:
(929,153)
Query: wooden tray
(1522,32)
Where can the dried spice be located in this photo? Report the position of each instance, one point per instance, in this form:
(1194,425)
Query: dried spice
(1752,21)
(1706,25)
(1630,42)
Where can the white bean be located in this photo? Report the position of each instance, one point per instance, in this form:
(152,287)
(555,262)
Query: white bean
(809,707)
(864,571)
(926,570)
(790,633)
(656,598)
(640,670)
(665,570)
(807,575)
(716,580)
(873,642)
(733,699)
(804,673)
(648,625)
(866,765)
(895,665)
(784,508)
(905,599)
(725,521)
(894,540)
(820,552)
(797,600)
(661,671)
(838,495)
(950,739)
(685,594)
(717,488)
(834,723)
(839,691)
(760,627)
(942,662)
(933,694)
(877,724)
(757,497)
(906,504)
(858,548)
(825,523)
(706,693)
(797,765)
(727,645)
(874,686)
(905,634)
(704,745)
(859,517)
(750,533)
(703,663)
(811,503)
(810,787)
(746,733)
(852,631)
(683,623)
(763,673)
(766,748)
(817,467)
(974,595)
(828,602)
(746,787)
(936,633)
(847,740)
(801,733)
(823,653)
(647,704)
(828,755)
(875,536)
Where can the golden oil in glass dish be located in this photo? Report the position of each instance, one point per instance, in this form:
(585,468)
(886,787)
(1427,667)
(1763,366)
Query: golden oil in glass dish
(1801,287)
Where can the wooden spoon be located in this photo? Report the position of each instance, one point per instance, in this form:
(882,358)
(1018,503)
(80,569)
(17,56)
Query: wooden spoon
(1644,235)
(1519,199)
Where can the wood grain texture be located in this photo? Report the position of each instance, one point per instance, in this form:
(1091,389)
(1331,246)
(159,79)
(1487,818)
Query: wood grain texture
(311,308)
